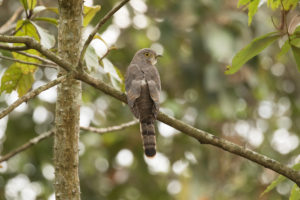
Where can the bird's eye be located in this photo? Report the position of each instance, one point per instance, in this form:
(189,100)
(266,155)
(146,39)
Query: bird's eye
(147,54)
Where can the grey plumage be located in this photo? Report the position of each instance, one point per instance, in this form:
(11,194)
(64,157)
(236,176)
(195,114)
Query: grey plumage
(142,84)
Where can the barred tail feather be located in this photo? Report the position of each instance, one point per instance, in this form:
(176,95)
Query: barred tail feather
(149,140)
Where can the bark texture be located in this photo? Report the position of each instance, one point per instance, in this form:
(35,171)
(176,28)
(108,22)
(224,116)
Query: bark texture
(66,138)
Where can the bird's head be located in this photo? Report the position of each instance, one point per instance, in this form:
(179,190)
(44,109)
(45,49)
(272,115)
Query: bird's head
(147,55)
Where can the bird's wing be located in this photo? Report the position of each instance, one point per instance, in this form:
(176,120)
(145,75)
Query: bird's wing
(133,86)
(154,84)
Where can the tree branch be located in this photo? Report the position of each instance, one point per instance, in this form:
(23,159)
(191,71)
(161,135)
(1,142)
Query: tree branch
(107,52)
(33,44)
(98,26)
(50,133)
(36,57)
(27,145)
(30,95)
(13,48)
(28,63)
(109,129)
(202,136)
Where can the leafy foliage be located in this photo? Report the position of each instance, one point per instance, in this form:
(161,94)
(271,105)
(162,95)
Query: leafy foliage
(91,59)
(252,8)
(14,78)
(287,4)
(273,185)
(89,13)
(295,193)
(278,180)
(296,53)
(251,50)
(260,43)
(47,19)
(19,76)
(28,4)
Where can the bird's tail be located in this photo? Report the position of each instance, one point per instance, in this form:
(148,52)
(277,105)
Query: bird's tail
(148,137)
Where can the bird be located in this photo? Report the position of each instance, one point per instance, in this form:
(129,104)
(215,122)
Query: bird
(143,86)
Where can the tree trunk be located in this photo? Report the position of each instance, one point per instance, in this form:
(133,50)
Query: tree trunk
(66,138)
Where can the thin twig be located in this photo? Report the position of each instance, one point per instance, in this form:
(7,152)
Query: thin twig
(109,129)
(28,63)
(99,25)
(8,25)
(48,134)
(107,52)
(13,48)
(30,95)
(44,60)
(27,145)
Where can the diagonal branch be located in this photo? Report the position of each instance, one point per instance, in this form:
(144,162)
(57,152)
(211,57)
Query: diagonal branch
(28,63)
(107,52)
(36,57)
(109,129)
(98,26)
(27,145)
(13,48)
(30,95)
(202,136)
(50,133)
(33,44)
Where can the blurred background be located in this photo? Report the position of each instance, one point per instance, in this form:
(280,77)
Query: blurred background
(258,108)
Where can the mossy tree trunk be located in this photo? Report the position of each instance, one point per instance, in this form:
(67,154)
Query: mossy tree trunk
(67,186)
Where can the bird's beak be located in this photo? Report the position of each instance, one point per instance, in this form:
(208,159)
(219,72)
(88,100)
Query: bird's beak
(158,56)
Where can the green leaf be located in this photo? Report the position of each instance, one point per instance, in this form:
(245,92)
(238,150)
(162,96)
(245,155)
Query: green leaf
(112,70)
(38,9)
(26,28)
(91,60)
(47,40)
(24,3)
(14,79)
(26,68)
(295,193)
(287,4)
(252,9)
(296,53)
(47,19)
(121,84)
(284,49)
(89,13)
(53,9)
(296,166)
(278,180)
(297,30)
(97,36)
(25,83)
(274,4)
(28,4)
(295,42)
(116,83)
(31,4)
(251,50)
(242,3)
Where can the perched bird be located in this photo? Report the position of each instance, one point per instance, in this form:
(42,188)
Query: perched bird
(142,83)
